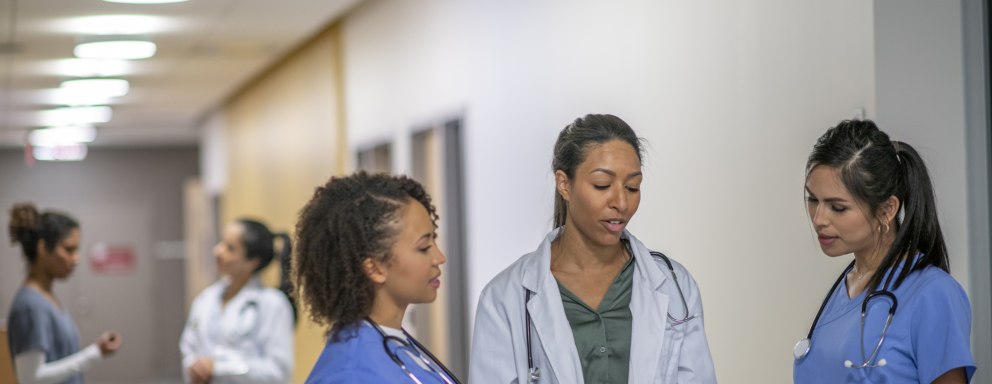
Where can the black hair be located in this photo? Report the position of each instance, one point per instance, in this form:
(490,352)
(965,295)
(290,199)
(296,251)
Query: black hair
(259,244)
(348,220)
(27,226)
(573,145)
(873,168)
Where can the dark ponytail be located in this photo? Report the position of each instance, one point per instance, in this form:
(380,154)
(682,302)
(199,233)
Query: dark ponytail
(286,265)
(260,244)
(919,229)
(873,168)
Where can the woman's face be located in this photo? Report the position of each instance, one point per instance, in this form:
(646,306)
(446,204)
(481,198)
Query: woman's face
(412,274)
(841,225)
(62,259)
(604,194)
(231,254)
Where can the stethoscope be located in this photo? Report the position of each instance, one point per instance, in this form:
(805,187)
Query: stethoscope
(432,363)
(247,323)
(803,346)
(534,373)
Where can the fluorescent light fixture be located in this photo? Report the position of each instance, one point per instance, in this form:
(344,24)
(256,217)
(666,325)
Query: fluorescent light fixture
(65,135)
(76,115)
(71,152)
(116,49)
(59,96)
(114,25)
(96,87)
(145,1)
(87,67)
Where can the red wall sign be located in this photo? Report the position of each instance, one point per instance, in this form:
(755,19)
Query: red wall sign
(106,258)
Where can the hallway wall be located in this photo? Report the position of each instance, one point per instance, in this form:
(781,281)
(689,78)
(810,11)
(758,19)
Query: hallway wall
(730,95)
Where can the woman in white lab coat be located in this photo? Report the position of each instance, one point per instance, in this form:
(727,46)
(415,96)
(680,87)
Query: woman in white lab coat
(592,303)
(240,331)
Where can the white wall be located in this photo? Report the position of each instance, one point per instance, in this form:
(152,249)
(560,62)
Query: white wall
(730,94)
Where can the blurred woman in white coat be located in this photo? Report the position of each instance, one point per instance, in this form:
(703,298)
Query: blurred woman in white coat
(592,304)
(240,331)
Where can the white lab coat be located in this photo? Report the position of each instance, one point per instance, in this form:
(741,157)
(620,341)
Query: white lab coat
(659,351)
(250,339)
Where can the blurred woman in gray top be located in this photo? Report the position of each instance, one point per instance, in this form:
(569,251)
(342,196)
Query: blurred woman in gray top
(43,338)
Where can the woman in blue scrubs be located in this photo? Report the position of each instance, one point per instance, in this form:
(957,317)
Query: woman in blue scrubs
(872,197)
(366,250)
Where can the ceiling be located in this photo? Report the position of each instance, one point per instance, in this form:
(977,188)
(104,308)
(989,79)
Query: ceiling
(207,49)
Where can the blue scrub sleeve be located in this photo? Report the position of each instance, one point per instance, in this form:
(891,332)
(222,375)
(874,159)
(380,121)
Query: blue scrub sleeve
(26,332)
(941,330)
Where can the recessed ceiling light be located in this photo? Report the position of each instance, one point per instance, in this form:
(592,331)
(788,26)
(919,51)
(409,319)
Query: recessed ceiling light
(87,67)
(76,116)
(116,49)
(145,1)
(59,96)
(96,87)
(64,135)
(71,152)
(114,24)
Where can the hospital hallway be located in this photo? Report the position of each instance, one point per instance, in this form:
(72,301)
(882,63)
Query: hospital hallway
(234,109)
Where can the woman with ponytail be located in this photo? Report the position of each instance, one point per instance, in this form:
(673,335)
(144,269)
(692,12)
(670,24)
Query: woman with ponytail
(894,315)
(238,330)
(592,304)
(43,339)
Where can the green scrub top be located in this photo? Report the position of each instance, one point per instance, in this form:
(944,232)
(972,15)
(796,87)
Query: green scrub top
(602,336)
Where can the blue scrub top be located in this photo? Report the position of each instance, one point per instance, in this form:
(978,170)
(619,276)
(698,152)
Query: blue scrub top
(929,334)
(360,357)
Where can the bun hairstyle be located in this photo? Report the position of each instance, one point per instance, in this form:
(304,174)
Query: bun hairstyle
(28,226)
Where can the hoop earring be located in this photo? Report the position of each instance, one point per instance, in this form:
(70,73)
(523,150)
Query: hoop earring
(886,228)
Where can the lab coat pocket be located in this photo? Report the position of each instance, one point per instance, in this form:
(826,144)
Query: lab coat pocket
(671,350)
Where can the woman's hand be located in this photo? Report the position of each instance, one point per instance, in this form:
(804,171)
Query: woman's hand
(202,370)
(109,342)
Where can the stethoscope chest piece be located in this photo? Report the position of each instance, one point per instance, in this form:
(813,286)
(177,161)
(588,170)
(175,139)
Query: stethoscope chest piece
(534,375)
(801,348)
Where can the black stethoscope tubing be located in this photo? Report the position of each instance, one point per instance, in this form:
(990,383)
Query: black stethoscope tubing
(864,309)
(416,344)
(809,336)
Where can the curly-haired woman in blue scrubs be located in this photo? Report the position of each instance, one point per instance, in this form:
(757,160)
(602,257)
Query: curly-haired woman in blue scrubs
(365,252)
(894,315)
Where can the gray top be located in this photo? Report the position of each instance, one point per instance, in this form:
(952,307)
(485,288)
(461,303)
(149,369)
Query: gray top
(36,324)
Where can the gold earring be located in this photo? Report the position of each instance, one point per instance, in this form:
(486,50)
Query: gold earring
(886,228)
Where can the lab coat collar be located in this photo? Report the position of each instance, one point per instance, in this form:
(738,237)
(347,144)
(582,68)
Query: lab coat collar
(648,306)
(537,270)
(247,293)
(548,314)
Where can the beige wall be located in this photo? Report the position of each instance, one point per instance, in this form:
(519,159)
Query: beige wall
(283,139)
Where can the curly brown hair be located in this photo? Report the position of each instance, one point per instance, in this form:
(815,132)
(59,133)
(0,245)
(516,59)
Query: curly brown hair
(349,219)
